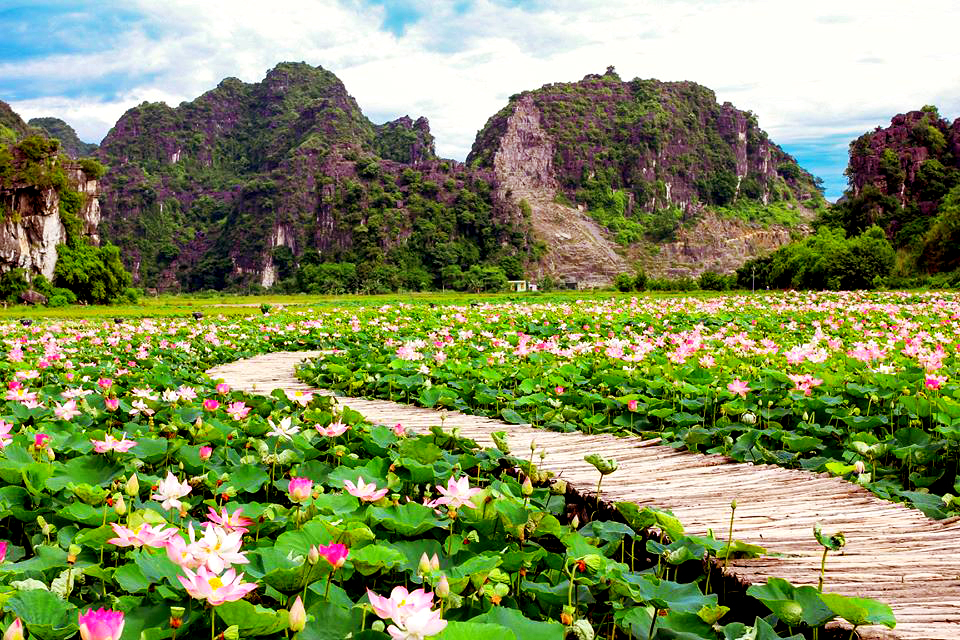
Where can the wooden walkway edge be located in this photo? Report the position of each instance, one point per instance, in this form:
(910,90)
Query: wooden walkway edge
(893,553)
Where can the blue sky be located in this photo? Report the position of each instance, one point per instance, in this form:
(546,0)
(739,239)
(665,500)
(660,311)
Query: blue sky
(817,73)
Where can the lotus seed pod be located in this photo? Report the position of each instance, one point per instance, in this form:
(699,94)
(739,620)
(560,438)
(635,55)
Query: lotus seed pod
(790,612)
(378,626)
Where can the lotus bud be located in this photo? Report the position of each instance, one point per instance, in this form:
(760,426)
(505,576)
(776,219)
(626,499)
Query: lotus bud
(424,565)
(748,418)
(859,466)
(119,506)
(527,487)
(72,553)
(434,562)
(313,555)
(733,504)
(443,587)
(298,616)
(806,416)
(51,456)
(132,487)
(575,522)
(533,446)
(14,631)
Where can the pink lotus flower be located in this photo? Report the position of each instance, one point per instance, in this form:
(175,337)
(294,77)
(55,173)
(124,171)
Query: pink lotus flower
(418,625)
(333,429)
(300,489)
(210,404)
(3,550)
(206,452)
(105,383)
(218,548)
(399,431)
(366,492)
(804,382)
(143,536)
(110,443)
(738,387)
(101,624)
(223,387)
(206,585)
(181,553)
(238,410)
(559,390)
(933,382)
(632,405)
(14,631)
(400,604)
(335,554)
(67,410)
(456,494)
(170,490)
(231,522)
(112,404)
(302,398)
(5,436)
(40,440)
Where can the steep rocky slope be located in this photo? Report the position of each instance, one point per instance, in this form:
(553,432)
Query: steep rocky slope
(44,197)
(646,159)
(905,178)
(240,184)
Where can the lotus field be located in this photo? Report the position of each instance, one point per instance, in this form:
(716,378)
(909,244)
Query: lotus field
(141,499)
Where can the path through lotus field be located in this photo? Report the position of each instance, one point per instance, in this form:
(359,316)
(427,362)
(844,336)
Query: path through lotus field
(892,553)
(141,497)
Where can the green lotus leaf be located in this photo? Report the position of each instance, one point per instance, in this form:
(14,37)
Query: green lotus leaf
(860,611)
(251,619)
(46,615)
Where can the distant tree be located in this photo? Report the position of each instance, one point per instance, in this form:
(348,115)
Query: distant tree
(93,274)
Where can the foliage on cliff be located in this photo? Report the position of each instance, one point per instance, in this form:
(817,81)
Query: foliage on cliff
(251,183)
(70,143)
(12,126)
(629,149)
(906,179)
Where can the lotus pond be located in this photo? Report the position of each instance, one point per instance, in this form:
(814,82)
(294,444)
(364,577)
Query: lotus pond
(143,500)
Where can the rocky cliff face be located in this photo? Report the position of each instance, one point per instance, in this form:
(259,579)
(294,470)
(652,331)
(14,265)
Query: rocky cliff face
(234,186)
(899,160)
(653,149)
(32,224)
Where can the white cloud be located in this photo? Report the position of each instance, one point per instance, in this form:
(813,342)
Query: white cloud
(808,69)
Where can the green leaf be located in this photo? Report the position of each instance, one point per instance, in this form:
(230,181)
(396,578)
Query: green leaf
(473,630)
(251,619)
(328,621)
(44,614)
(512,416)
(860,611)
(407,519)
(523,627)
(247,477)
(374,557)
(792,604)
(94,470)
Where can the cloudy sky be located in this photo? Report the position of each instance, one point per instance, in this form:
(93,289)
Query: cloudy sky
(817,72)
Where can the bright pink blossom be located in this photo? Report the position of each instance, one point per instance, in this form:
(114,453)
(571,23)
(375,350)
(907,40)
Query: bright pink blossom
(112,404)
(223,387)
(100,624)
(333,429)
(40,440)
(739,387)
(366,492)
(934,382)
(210,404)
(237,410)
(456,494)
(300,489)
(335,554)
(205,452)
(215,589)
(3,550)
(143,536)
(110,443)
(231,522)
(14,631)
(5,436)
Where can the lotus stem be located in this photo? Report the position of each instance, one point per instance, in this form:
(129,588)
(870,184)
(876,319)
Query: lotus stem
(823,569)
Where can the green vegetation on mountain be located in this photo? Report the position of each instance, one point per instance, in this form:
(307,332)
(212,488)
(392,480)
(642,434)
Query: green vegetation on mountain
(647,156)
(898,222)
(70,143)
(267,183)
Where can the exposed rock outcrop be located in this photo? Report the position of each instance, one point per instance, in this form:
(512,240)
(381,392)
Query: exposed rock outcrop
(577,248)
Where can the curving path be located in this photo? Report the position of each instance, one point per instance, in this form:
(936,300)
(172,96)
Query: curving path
(893,553)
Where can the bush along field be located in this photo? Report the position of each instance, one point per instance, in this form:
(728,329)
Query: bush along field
(143,500)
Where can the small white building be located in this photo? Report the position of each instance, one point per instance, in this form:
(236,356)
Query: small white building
(518,286)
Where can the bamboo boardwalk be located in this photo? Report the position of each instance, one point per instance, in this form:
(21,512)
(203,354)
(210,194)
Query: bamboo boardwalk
(893,553)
